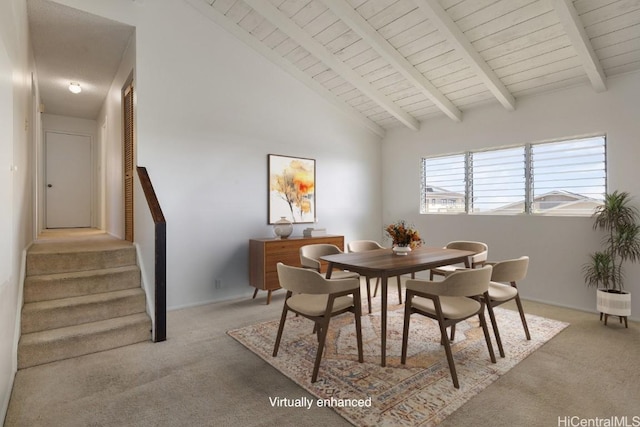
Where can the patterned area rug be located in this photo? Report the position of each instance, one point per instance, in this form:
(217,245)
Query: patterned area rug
(419,393)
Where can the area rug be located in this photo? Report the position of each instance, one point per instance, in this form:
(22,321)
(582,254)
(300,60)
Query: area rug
(419,393)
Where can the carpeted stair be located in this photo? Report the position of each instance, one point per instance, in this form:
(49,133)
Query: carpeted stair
(80,297)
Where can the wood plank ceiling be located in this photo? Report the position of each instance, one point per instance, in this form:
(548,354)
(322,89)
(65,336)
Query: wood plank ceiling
(390,63)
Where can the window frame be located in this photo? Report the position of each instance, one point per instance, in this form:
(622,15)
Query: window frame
(529,177)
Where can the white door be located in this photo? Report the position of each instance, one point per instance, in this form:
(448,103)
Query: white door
(68,180)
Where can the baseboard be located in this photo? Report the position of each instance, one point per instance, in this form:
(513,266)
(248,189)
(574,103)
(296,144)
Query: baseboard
(571,307)
(18,324)
(211,301)
(16,335)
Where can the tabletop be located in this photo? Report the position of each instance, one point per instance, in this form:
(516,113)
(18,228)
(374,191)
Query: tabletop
(378,261)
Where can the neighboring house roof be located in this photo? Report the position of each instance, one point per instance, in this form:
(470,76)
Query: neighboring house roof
(553,202)
(439,192)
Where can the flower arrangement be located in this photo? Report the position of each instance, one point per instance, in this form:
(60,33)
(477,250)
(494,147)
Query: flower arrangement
(403,235)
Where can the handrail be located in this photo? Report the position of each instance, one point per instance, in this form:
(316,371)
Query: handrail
(160,313)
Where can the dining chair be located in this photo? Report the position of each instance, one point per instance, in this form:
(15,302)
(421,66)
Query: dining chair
(310,258)
(503,288)
(369,245)
(459,296)
(317,298)
(478,260)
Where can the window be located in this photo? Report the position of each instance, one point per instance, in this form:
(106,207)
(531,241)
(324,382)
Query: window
(443,179)
(562,178)
(498,181)
(568,177)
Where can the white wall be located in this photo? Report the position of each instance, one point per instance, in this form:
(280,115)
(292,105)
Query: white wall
(558,247)
(16,160)
(208,111)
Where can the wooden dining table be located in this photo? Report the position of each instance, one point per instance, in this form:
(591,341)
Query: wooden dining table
(384,263)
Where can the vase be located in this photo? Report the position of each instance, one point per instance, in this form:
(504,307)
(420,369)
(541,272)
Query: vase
(282,228)
(401,250)
(613,303)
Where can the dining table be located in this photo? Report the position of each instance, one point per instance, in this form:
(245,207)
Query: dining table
(384,263)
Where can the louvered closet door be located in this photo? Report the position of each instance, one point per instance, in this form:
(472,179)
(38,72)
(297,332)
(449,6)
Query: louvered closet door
(128,162)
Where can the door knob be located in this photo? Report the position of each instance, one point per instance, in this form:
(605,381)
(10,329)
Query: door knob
(49,185)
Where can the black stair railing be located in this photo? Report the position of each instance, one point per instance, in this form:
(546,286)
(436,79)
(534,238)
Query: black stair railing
(160,314)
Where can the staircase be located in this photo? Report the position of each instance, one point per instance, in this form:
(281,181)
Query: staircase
(81,295)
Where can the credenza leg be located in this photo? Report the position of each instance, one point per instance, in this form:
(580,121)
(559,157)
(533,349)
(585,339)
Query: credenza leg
(268,297)
(255,293)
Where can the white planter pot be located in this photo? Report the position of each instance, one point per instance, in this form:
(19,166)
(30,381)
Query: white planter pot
(613,303)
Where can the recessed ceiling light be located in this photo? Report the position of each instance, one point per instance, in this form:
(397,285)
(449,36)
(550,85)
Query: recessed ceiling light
(75,87)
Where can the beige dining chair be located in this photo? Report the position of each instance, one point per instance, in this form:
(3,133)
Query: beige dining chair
(369,245)
(478,260)
(317,298)
(310,258)
(503,288)
(459,296)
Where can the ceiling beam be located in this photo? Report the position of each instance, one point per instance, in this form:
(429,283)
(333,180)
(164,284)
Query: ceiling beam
(297,34)
(369,34)
(578,36)
(456,38)
(206,9)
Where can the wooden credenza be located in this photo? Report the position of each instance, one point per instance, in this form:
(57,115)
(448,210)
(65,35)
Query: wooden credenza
(265,254)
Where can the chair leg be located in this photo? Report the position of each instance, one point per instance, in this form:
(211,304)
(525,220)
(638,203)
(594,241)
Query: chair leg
(494,325)
(375,292)
(322,336)
(487,337)
(283,318)
(405,329)
(453,332)
(399,290)
(368,293)
(447,349)
(524,321)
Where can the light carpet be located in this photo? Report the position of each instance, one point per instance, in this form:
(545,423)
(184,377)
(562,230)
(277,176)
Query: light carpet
(419,393)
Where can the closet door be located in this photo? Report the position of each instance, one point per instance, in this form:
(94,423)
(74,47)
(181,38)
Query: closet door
(128,143)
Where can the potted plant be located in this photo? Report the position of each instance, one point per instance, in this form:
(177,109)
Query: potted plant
(403,236)
(619,219)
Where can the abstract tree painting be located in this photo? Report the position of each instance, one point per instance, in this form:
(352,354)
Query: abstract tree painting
(292,189)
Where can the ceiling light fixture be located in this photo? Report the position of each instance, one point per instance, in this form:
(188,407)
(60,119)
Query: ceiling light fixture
(75,87)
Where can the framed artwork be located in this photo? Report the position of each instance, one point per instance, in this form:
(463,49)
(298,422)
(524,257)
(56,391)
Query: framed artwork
(292,189)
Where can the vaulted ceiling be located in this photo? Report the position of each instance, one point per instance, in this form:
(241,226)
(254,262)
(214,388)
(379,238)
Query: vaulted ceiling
(391,63)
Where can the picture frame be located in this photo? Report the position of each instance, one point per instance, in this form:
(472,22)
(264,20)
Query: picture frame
(291,189)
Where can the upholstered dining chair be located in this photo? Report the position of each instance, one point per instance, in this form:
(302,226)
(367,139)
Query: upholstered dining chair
(459,296)
(369,245)
(478,260)
(311,295)
(310,258)
(503,288)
